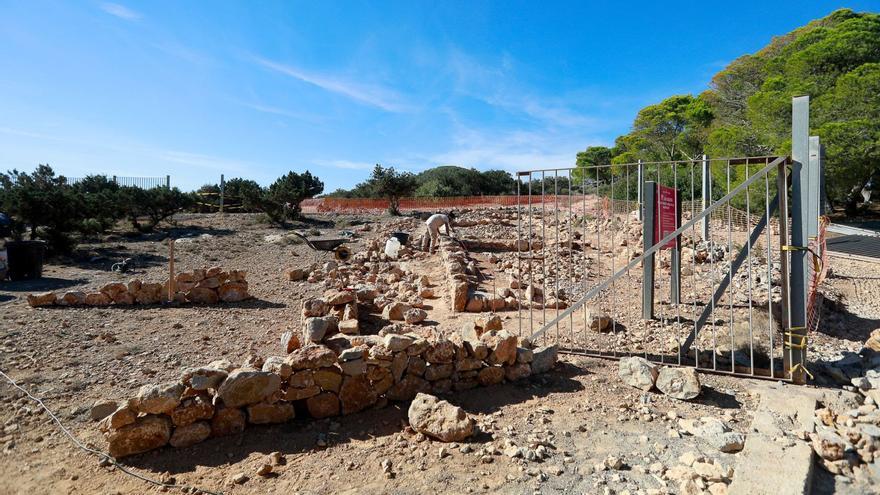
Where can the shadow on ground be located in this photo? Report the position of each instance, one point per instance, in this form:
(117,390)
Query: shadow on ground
(40,284)
(300,436)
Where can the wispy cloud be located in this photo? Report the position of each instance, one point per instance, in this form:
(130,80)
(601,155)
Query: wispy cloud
(120,11)
(346,164)
(372,95)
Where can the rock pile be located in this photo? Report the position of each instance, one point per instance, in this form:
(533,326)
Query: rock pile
(678,382)
(200,286)
(347,374)
(847,437)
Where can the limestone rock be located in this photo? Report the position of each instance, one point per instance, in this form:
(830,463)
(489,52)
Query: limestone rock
(502,347)
(681,383)
(243,387)
(638,372)
(290,341)
(414,315)
(599,321)
(518,371)
(338,297)
(408,387)
(233,292)
(395,311)
(323,405)
(41,299)
(227,421)
(191,434)
(314,328)
(102,408)
(460,297)
(263,413)
(488,323)
(201,295)
(329,379)
(443,351)
(491,375)
(158,399)
(277,365)
(73,298)
(310,357)
(191,410)
(439,419)
(122,416)
(98,299)
(349,327)
(146,433)
(544,358)
(314,307)
(204,378)
(356,394)
(294,394)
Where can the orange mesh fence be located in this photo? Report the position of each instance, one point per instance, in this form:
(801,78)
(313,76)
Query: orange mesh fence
(818,271)
(373,205)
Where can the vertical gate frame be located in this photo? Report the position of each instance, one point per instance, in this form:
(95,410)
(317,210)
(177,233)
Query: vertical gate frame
(796,331)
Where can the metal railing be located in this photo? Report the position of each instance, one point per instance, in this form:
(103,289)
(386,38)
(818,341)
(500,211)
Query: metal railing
(140,182)
(727,279)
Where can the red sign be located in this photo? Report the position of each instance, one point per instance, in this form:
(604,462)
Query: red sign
(665,215)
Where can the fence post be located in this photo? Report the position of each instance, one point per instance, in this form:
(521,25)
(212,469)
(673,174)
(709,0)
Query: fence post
(640,171)
(815,181)
(222,191)
(167,182)
(707,195)
(649,189)
(800,220)
(675,255)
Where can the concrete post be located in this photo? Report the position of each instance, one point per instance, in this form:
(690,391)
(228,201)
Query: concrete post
(640,173)
(707,195)
(814,186)
(167,182)
(800,220)
(649,190)
(222,191)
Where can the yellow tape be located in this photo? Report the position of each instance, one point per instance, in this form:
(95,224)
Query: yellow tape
(802,367)
(817,263)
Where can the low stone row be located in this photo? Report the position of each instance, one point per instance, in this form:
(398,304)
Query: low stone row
(348,375)
(201,286)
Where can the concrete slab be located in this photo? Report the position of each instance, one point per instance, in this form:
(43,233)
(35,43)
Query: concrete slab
(772,467)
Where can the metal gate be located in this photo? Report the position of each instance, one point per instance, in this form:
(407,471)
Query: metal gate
(723,286)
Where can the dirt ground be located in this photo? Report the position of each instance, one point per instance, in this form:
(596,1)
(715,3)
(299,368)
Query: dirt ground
(580,411)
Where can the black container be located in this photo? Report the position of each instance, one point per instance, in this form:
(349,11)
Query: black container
(25,259)
(403,237)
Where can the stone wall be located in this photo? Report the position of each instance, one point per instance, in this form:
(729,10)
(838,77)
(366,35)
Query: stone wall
(202,286)
(349,374)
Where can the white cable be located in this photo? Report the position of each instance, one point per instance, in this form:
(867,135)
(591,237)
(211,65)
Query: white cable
(103,455)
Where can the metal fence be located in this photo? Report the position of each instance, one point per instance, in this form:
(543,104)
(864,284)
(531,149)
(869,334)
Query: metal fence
(140,182)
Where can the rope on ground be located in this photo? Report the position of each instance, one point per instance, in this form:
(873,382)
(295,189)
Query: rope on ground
(103,455)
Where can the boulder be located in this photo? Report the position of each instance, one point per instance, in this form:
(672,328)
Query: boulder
(102,408)
(149,293)
(191,410)
(329,379)
(488,323)
(97,299)
(277,365)
(414,315)
(680,383)
(41,299)
(439,419)
(338,297)
(395,311)
(314,307)
(491,375)
(122,416)
(290,341)
(204,378)
(243,387)
(356,394)
(263,413)
(460,297)
(158,399)
(396,342)
(544,358)
(441,351)
(323,405)
(638,372)
(233,291)
(292,394)
(829,445)
(191,434)
(201,295)
(598,320)
(295,274)
(516,372)
(73,298)
(349,327)
(502,347)
(310,357)
(407,388)
(315,328)
(113,289)
(145,434)
(227,421)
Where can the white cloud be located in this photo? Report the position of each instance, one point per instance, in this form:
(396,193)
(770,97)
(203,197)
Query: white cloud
(375,96)
(120,11)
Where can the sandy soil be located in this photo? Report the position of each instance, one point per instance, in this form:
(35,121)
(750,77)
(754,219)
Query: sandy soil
(71,357)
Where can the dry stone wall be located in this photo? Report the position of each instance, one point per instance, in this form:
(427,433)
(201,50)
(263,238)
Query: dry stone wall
(344,375)
(201,286)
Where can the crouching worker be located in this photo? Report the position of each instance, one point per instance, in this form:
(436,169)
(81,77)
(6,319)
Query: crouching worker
(431,239)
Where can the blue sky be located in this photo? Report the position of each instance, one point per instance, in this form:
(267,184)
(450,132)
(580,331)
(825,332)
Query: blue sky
(254,89)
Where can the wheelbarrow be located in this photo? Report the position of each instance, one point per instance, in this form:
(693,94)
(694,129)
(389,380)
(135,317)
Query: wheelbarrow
(334,244)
